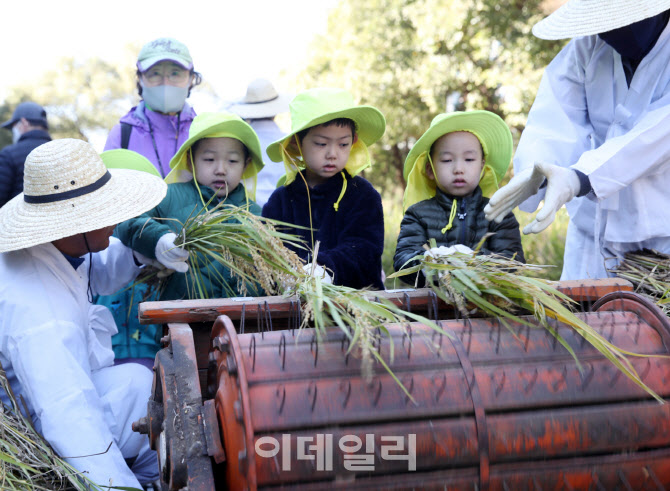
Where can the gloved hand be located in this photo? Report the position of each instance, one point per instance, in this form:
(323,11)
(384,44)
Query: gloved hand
(147,261)
(319,271)
(171,256)
(442,251)
(521,187)
(562,185)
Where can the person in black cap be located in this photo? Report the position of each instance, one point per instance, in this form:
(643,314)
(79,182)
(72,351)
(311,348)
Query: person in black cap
(29,130)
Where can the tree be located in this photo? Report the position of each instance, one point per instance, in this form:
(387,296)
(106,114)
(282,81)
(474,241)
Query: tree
(84,97)
(413,59)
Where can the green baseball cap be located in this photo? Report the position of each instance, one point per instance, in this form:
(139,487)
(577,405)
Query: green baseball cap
(163,49)
(121,158)
(317,106)
(217,125)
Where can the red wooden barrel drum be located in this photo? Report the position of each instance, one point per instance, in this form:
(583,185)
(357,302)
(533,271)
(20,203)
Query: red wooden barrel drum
(487,407)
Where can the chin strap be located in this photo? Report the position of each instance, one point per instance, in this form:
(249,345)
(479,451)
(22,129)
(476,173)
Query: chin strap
(89,290)
(344,190)
(454,206)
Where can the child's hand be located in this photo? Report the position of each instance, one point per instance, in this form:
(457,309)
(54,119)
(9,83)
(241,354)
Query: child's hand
(171,256)
(442,251)
(147,261)
(318,271)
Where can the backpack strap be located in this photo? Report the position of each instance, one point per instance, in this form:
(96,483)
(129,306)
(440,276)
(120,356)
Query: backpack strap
(125,134)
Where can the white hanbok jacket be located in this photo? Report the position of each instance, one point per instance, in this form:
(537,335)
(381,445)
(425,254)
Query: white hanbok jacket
(54,345)
(586,117)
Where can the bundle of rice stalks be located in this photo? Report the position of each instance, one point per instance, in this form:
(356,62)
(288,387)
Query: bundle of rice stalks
(499,287)
(361,320)
(649,272)
(254,250)
(27,461)
(250,247)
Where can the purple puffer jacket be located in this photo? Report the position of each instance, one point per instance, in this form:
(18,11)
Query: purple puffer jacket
(165,129)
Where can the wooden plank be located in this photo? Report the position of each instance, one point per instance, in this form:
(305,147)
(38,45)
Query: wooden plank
(280,307)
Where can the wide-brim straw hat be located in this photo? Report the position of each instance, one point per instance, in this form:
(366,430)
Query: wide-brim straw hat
(316,106)
(121,158)
(589,17)
(67,190)
(491,131)
(216,125)
(261,101)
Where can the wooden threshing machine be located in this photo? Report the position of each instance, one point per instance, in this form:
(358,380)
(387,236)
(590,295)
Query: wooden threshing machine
(244,400)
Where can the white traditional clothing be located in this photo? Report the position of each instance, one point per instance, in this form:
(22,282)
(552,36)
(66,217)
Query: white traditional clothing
(586,117)
(55,347)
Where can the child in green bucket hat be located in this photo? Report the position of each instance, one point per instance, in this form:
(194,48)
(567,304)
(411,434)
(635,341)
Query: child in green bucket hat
(322,193)
(207,170)
(449,172)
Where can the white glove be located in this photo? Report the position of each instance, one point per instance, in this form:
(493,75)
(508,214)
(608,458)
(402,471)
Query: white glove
(562,185)
(521,187)
(442,251)
(318,271)
(171,256)
(147,261)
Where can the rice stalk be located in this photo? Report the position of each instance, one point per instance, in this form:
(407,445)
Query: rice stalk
(649,272)
(27,461)
(363,322)
(498,287)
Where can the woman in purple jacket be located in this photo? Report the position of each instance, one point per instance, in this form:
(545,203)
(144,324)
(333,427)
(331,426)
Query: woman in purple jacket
(159,124)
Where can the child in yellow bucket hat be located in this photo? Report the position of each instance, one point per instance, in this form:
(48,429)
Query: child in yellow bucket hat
(207,171)
(322,193)
(449,172)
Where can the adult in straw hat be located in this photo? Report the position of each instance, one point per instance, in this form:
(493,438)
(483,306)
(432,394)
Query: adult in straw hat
(259,107)
(56,252)
(598,134)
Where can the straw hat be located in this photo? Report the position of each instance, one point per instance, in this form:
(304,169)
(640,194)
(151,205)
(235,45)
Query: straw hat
(261,101)
(216,125)
(491,131)
(588,17)
(67,191)
(121,158)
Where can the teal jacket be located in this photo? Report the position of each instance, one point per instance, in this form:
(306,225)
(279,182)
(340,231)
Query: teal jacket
(181,202)
(143,341)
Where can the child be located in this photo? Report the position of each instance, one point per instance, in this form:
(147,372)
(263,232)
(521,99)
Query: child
(221,151)
(133,343)
(323,153)
(461,158)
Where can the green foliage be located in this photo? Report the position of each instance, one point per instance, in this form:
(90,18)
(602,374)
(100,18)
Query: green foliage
(81,96)
(548,246)
(414,59)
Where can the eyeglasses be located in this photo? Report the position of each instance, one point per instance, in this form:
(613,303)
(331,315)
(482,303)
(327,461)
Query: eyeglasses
(173,75)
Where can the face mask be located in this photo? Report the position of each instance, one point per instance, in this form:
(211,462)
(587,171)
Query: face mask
(636,40)
(165,98)
(16,133)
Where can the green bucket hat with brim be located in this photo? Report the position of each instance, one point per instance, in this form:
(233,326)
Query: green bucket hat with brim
(317,106)
(491,131)
(216,125)
(121,158)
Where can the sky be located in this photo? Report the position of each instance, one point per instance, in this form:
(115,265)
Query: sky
(231,41)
